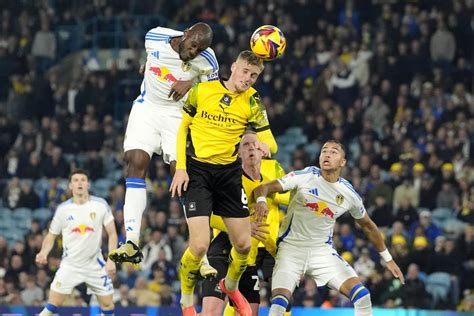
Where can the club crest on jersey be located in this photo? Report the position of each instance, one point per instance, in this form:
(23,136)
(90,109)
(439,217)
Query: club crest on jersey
(92,215)
(339,199)
(185,66)
(225,102)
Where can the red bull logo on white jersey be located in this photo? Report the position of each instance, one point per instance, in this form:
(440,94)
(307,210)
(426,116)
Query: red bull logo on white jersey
(320,209)
(82,229)
(163,74)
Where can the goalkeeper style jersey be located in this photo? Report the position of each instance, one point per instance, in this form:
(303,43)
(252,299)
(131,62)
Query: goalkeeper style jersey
(269,170)
(217,118)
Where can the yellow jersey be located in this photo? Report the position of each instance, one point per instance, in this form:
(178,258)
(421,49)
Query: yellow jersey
(269,171)
(217,118)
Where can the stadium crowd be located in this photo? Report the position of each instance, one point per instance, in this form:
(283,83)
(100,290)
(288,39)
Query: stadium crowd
(391,80)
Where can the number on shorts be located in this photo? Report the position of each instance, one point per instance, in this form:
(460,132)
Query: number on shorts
(107,280)
(256,287)
(244,197)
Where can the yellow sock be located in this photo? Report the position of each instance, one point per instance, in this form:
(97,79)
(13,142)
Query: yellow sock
(229,310)
(237,266)
(188,273)
(288,313)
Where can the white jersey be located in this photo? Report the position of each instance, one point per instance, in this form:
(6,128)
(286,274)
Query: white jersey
(315,204)
(81,227)
(164,67)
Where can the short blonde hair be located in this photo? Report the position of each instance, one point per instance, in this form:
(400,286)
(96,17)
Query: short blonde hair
(251,59)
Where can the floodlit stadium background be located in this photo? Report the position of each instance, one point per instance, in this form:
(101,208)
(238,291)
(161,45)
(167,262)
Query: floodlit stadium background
(393,80)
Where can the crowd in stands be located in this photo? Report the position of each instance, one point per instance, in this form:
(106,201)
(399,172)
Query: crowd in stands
(392,80)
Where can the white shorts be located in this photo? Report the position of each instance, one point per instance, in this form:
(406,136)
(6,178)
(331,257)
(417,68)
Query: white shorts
(324,265)
(68,277)
(153,129)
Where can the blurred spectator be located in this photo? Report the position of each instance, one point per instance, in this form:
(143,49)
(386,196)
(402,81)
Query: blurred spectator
(142,296)
(430,229)
(32,294)
(414,293)
(28,197)
(11,195)
(152,249)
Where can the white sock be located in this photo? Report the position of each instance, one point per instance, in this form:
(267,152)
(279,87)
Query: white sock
(276,310)
(135,204)
(363,306)
(187,300)
(45,312)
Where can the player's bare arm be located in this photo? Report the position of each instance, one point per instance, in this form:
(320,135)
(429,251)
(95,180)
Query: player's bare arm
(110,267)
(48,243)
(181,178)
(179,89)
(260,193)
(372,232)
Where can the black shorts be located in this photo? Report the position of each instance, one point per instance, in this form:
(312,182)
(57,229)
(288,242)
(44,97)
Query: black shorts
(215,188)
(265,262)
(218,256)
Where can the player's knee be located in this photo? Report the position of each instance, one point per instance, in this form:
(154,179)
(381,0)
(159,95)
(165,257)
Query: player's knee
(242,246)
(360,298)
(199,249)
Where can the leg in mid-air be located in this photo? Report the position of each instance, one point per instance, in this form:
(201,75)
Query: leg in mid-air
(239,235)
(135,203)
(55,300)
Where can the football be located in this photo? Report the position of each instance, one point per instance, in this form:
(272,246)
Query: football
(268,42)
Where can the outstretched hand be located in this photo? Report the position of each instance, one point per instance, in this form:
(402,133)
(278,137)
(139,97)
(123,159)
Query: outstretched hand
(261,210)
(397,273)
(258,230)
(41,259)
(179,183)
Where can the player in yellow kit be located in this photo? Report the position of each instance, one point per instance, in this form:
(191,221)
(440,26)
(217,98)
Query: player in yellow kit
(215,116)
(255,172)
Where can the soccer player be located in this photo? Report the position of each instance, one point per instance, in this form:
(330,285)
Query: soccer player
(255,172)
(175,61)
(215,116)
(318,197)
(80,220)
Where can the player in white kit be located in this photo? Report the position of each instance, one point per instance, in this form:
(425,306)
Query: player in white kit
(80,221)
(175,61)
(318,197)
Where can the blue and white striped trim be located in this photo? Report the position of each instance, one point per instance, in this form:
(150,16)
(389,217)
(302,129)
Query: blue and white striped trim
(151,36)
(281,300)
(135,183)
(358,292)
(101,263)
(350,187)
(141,98)
(211,59)
(280,239)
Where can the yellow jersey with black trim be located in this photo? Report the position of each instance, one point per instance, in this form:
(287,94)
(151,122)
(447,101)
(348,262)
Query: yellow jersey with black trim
(219,119)
(269,171)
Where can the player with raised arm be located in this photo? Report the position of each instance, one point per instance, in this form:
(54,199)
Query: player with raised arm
(215,116)
(318,197)
(255,172)
(175,61)
(80,221)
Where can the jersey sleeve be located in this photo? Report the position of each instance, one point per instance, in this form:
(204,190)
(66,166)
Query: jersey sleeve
(190,105)
(357,208)
(108,217)
(56,224)
(295,178)
(209,67)
(258,118)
